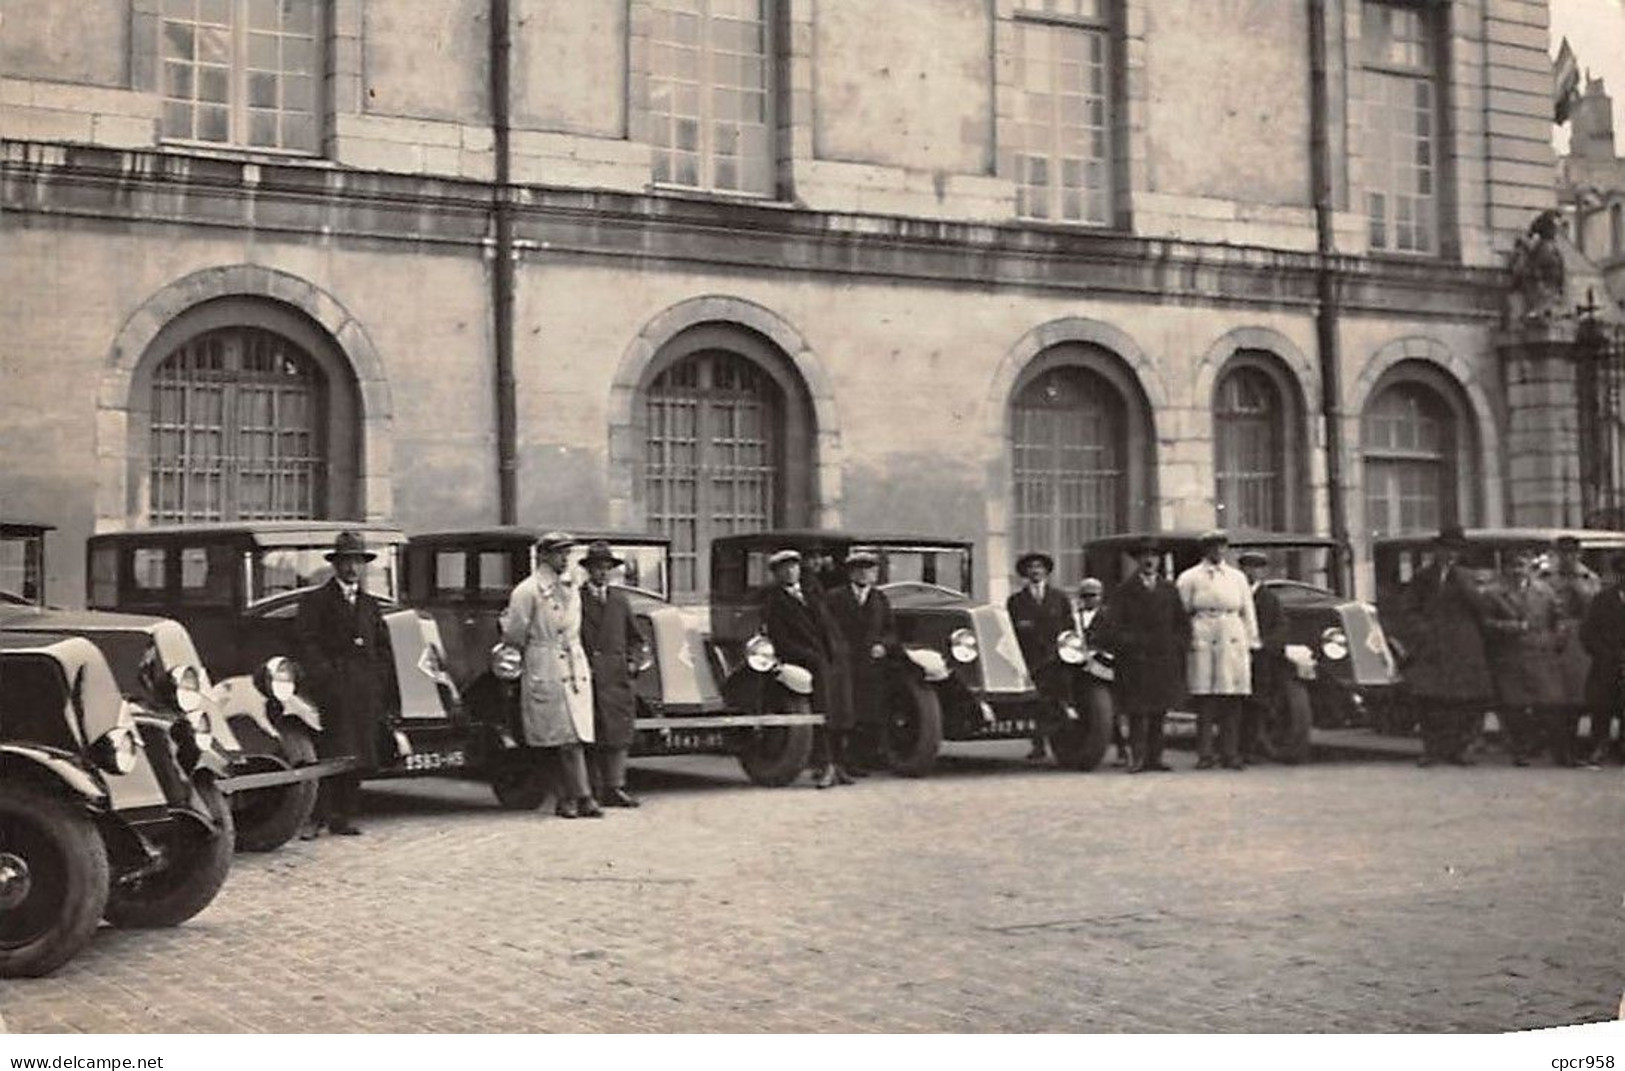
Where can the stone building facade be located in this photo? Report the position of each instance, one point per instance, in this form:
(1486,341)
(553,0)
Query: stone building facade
(1018,271)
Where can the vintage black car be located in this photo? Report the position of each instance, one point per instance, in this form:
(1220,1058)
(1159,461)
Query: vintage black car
(22,563)
(463,578)
(1343,669)
(106,811)
(237,587)
(958,673)
(272,759)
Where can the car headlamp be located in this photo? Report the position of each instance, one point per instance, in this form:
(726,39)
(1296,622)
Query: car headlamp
(188,683)
(1334,644)
(760,655)
(1070,648)
(117,750)
(962,645)
(507,662)
(278,678)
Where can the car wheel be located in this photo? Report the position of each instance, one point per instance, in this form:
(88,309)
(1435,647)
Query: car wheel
(1080,744)
(913,728)
(267,818)
(1286,736)
(56,881)
(198,860)
(518,782)
(775,756)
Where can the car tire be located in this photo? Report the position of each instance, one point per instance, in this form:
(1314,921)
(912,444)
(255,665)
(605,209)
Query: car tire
(913,728)
(69,881)
(198,867)
(1081,744)
(1286,735)
(519,783)
(267,818)
(775,756)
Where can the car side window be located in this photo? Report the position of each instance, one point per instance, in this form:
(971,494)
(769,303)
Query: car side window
(206,575)
(104,576)
(451,573)
(496,573)
(147,569)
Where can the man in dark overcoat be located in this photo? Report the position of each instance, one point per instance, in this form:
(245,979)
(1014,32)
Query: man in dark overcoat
(1269,661)
(609,635)
(345,654)
(1443,620)
(864,616)
(1089,621)
(1146,625)
(804,634)
(1523,640)
(1575,586)
(1603,634)
(1040,612)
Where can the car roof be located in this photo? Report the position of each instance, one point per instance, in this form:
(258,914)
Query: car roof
(1236,536)
(265,533)
(521,533)
(830,535)
(24,528)
(74,650)
(47,618)
(1593,536)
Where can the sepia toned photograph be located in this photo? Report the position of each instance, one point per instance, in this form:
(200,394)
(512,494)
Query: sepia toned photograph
(825,517)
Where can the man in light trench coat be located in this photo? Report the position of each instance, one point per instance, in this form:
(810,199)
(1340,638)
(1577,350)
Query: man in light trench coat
(1224,634)
(543,620)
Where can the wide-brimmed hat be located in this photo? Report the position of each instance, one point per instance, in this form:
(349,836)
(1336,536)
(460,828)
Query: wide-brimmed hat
(1034,556)
(549,541)
(780,557)
(1091,586)
(598,551)
(1252,557)
(858,556)
(350,545)
(1451,535)
(1214,537)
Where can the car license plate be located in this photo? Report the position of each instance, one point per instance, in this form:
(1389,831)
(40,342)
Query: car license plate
(434,760)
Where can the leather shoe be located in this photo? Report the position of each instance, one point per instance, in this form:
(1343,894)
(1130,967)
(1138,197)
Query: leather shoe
(842,777)
(855,771)
(567,809)
(310,832)
(1205,763)
(588,808)
(344,829)
(1160,767)
(824,777)
(1425,761)
(620,797)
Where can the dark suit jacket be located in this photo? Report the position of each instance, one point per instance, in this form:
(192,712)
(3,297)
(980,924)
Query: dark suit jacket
(1603,634)
(804,634)
(862,627)
(1272,635)
(345,654)
(1150,632)
(609,635)
(1038,624)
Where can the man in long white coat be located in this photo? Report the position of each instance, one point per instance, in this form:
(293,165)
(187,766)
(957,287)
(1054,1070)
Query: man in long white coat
(1224,633)
(543,620)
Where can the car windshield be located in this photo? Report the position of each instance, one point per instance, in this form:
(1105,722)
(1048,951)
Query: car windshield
(274,571)
(644,568)
(947,567)
(22,569)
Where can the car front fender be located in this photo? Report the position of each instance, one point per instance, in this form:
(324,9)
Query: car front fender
(58,767)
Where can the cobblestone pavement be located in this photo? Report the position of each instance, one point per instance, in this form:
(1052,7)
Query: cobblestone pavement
(1345,896)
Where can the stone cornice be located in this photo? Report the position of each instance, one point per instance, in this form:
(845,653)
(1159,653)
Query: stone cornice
(314,200)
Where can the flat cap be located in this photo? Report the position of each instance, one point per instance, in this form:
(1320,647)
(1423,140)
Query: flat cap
(555,541)
(1252,557)
(1090,586)
(779,557)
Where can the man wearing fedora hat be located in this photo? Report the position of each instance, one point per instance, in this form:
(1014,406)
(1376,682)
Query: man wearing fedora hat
(543,620)
(1040,612)
(864,616)
(344,651)
(1442,624)
(804,634)
(609,632)
(1147,627)
(1575,586)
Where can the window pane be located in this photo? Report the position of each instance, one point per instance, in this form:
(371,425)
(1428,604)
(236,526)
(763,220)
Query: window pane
(1065,143)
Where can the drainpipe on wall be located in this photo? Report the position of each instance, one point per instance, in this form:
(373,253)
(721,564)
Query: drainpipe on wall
(502,273)
(1326,310)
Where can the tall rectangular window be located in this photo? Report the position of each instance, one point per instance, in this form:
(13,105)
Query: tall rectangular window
(1401,128)
(1058,145)
(241,72)
(710,94)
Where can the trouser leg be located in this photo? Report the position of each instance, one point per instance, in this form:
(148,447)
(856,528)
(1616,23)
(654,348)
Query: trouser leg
(821,756)
(1228,711)
(1206,711)
(571,764)
(611,767)
(338,798)
(1565,726)
(1153,737)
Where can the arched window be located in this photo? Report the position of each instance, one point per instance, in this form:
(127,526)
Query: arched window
(727,449)
(1072,464)
(1255,415)
(238,430)
(1411,441)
